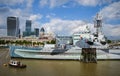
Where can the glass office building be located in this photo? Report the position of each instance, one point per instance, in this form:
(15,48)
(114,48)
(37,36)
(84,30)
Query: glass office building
(27,31)
(12,26)
(28,26)
(37,32)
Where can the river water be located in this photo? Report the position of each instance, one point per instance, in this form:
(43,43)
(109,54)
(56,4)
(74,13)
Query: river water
(58,67)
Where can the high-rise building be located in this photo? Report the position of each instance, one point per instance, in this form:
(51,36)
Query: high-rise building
(42,31)
(19,34)
(28,26)
(36,32)
(12,26)
(27,31)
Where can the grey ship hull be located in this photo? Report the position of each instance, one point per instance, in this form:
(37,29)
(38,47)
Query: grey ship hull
(71,54)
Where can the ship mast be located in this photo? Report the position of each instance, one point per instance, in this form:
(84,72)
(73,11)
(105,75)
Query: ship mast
(98,23)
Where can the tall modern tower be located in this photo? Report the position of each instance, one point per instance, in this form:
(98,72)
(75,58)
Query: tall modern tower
(12,26)
(28,27)
(37,32)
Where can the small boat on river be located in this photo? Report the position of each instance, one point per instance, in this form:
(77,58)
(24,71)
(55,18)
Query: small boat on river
(16,64)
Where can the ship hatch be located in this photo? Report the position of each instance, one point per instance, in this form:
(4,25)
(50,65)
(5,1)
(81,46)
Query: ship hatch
(88,55)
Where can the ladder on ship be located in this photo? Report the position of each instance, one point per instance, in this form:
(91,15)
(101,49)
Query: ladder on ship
(89,55)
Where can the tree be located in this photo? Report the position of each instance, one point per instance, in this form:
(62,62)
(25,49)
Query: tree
(53,42)
(109,41)
(2,42)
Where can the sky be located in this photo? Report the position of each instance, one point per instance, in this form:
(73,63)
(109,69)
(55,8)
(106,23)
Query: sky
(62,17)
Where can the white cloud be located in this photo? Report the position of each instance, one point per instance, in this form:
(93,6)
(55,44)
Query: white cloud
(88,2)
(112,11)
(65,27)
(3,32)
(1,21)
(64,6)
(52,3)
(11,2)
(111,30)
(35,17)
(27,3)
(50,15)
(56,3)
(93,2)
(43,2)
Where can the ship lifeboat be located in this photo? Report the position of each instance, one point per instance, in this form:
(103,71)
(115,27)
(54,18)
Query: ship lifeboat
(103,42)
(90,42)
(16,64)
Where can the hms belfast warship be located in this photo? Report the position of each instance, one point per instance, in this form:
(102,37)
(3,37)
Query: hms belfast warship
(83,46)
